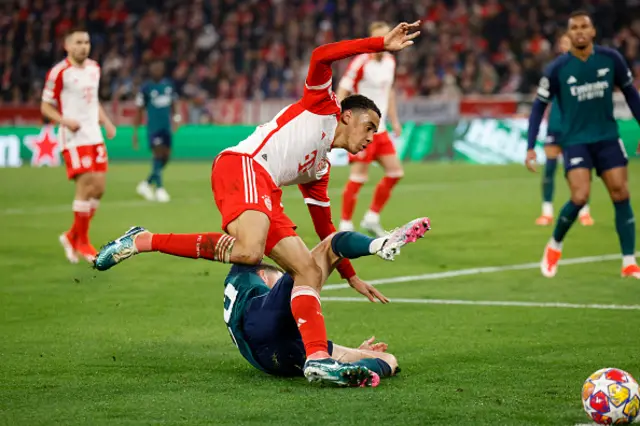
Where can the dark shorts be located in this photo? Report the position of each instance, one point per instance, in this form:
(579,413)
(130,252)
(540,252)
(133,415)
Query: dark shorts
(272,333)
(160,138)
(602,156)
(553,138)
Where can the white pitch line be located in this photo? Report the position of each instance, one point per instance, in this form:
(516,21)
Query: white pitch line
(65,208)
(492,303)
(477,271)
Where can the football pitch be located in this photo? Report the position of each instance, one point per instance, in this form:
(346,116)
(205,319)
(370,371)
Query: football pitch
(480,335)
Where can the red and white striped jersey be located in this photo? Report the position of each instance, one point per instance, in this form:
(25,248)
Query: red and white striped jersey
(293,146)
(372,78)
(74,91)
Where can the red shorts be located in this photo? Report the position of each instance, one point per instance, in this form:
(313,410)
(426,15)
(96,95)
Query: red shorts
(240,184)
(381,145)
(85,159)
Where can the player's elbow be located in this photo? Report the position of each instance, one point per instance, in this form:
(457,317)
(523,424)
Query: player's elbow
(44,108)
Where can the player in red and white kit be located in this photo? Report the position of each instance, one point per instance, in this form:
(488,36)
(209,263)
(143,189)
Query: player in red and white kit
(70,99)
(372,75)
(246,180)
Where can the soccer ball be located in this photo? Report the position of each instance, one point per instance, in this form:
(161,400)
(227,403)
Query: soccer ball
(611,396)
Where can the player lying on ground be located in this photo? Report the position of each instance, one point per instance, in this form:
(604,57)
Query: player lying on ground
(372,75)
(583,81)
(289,150)
(70,100)
(257,312)
(552,150)
(258,324)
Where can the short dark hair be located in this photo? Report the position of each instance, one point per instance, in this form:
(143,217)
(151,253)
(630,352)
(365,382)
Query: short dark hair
(266,267)
(359,102)
(580,12)
(74,30)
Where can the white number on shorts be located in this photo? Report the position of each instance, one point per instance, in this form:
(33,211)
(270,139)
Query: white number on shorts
(102,154)
(229,293)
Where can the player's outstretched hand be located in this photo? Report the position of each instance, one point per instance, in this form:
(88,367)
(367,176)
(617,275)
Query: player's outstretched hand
(111,130)
(401,36)
(371,345)
(638,149)
(531,161)
(367,290)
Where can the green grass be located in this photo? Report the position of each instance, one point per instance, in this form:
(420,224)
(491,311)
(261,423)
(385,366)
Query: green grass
(145,343)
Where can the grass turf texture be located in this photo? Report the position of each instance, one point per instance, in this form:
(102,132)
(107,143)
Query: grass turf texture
(145,343)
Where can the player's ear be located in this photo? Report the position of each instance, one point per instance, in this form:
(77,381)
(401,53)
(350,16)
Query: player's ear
(346,116)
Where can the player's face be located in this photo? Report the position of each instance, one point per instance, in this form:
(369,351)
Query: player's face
(157,70)
(78,46)
(564,44)
(581,32)
(361,127)
(380,32)
(270,278)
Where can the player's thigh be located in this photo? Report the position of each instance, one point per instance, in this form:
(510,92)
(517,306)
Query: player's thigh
(552,151)
(386,156)
(84,186)
(611,165)
(250,229)
(294,257)
(579,180)
(162,152)
(99,183)
(391,165)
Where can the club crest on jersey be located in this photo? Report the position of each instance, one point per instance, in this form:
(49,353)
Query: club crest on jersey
(267,202)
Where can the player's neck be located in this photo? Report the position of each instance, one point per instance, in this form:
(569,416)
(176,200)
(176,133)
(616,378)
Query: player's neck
(340,140)
(75,63)
(582,54)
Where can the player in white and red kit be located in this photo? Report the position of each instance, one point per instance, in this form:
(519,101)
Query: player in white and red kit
(372,75)
(70,99)
(246,180)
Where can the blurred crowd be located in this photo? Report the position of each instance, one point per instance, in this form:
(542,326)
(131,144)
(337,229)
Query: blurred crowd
(259,49)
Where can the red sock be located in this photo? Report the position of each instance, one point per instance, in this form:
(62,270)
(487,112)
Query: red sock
(383,192)
(349,198)
(306,310)
(81,217)
(211,245)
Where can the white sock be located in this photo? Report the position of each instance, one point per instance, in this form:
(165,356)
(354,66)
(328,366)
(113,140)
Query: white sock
(81,206)
(547,209)
(376,245)
(346,225)
(95,203)
(555,244)
(371,217)
(628,260)
(584,211)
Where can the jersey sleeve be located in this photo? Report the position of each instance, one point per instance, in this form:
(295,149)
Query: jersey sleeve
(316,197)
(622,73)
(318,96)
(549,85)
(53,87)
(353,73)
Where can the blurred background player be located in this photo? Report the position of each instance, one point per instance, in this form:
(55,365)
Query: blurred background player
(552,151)
(158,97)
(70,100)
(583,82)
(372,75)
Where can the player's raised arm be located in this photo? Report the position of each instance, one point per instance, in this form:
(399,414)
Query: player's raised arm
(547,89)
(624,80)
(319,75)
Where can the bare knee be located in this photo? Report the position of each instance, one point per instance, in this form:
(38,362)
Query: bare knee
(619,193)
(580,195)
(246,254)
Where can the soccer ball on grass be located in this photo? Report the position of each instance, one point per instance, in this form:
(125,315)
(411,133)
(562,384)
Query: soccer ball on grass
(611,396)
